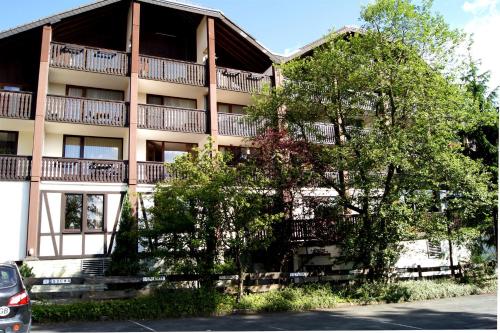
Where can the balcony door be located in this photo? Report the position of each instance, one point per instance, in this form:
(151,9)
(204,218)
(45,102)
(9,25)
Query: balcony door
(93,147)
(161,151)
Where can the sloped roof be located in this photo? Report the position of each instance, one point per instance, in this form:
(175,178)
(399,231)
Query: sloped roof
(165,3)
(318,42)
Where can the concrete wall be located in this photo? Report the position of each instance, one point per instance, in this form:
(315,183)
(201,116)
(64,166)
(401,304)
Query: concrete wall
(14,199)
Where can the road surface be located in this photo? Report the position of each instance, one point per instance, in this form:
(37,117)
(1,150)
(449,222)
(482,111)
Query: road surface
(469,312)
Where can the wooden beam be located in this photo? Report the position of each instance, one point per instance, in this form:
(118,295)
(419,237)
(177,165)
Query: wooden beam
(38,139)
(212,82)
(134,91)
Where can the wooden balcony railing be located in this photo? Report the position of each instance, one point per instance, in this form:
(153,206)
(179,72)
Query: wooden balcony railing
(237,125)
(236,80)
(151,172)
(86,111)
(88,59)
(169,70)
(322,133)
(15,104)
(14,167)
(172,119)
(309,230)
(83,170)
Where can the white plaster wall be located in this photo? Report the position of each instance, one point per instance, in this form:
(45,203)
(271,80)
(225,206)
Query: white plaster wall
(56,268)
(415,253)
(201,41)
(57,89)
(25,143)
(14,200)
(53,145)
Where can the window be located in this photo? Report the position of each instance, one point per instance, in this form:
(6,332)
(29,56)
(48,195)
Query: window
(230,108)
(8,143)
(238,154)
(161,151)
(434,249)
(93,147)
(83,207)
(8,277)
(175,102)
(94,93)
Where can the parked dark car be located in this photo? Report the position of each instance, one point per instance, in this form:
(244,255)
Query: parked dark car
(15,305)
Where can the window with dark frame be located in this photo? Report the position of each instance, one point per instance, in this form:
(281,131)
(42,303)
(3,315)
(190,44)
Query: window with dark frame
(93,147)
(8,142)
(434,249)
(230,108)
(163,151)
(94,93)
(80,207)
(176,102)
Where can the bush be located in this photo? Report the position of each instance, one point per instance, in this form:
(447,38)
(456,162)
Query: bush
(167,303)
(163,304)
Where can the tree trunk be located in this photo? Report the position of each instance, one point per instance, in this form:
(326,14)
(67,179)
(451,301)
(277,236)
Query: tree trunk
(450,247)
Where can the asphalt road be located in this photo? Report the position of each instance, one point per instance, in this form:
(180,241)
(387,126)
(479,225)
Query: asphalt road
(470,312)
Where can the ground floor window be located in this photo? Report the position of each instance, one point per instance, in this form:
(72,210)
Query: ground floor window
(83,212)
(8,142)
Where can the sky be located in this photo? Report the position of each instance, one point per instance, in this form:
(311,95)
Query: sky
(283,26)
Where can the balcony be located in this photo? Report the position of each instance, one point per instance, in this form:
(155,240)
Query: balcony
(173,119)
(14,167)
(319,230)
(175,71)
(15,104)
(241,81)
(322,133)
(237,125)
(84,170)
(151,172)
(88,59)
(86,111)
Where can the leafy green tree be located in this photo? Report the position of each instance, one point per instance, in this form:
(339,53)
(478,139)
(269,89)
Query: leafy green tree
(481,140)
(210,215)
(125,257)
(397,79)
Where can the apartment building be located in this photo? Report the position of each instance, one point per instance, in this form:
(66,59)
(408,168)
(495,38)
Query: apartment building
(95,100)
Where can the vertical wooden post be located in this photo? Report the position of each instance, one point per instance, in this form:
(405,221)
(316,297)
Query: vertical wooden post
(38,138)
(212,82)
(134,87)
(419,269)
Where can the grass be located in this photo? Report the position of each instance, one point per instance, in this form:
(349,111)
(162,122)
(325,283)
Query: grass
(190,303)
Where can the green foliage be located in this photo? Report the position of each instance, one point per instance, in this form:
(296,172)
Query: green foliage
(202,302)
(212,213)
(404,67)
(124,259)
(163,304)
(26,271)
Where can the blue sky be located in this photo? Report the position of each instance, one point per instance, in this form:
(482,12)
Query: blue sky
(285,25)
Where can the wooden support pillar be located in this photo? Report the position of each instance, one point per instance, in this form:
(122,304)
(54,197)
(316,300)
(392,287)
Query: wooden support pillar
(38,138)
(212,82)
(134,87)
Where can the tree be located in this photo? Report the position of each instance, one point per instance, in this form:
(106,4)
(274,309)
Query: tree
(481,140)
(210,217)
(125,258)
(398,80)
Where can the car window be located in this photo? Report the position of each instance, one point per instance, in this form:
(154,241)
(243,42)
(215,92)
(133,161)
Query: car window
(7,277)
